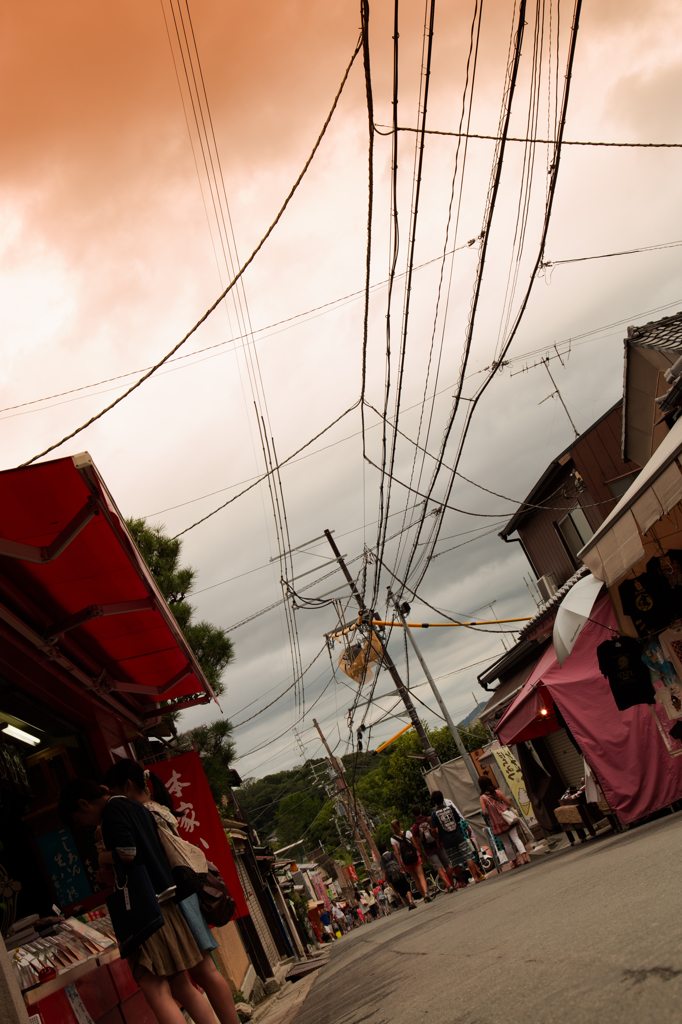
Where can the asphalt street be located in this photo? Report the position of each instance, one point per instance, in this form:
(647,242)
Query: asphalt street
(589,934)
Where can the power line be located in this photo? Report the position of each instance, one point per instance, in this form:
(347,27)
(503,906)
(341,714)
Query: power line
(541,249)
(542,142)
(491,199)
(319,310)
(608,255)
(225,292)
(268,473)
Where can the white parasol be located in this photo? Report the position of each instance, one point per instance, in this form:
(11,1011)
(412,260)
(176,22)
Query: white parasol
(574,611)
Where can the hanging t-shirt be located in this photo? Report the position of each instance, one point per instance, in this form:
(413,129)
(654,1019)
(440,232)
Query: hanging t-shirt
(621,662)
(647,601)
(668,569)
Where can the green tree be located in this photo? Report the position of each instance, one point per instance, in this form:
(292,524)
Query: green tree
(211,644)
(217,749)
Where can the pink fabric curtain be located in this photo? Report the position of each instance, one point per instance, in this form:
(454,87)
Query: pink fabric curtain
(638,770)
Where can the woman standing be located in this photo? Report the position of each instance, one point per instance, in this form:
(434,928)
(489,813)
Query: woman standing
(493,803)
(407,855)
(127,778)
(394,876)
(129,836)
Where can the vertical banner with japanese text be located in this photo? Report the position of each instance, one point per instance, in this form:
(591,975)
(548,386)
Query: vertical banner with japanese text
(64,866)
(185,780)
(511,769)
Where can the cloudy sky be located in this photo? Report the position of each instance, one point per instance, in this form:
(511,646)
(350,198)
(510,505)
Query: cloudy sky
(112,250)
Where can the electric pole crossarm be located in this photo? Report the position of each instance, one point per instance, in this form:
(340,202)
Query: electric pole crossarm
(387,661)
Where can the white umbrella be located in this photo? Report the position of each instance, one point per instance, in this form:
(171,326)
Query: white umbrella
(573,613)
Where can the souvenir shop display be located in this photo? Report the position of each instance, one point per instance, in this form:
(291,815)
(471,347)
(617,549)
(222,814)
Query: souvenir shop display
(60,947)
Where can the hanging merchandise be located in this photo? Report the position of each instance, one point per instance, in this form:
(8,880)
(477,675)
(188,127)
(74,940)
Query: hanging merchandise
(671,643)
(620,661)
(646,600)
(669,696)
(356,659)
(660,663)
(668,570)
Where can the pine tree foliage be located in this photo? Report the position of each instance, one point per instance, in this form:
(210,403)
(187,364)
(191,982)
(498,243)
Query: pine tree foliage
(211,644)
(217,750)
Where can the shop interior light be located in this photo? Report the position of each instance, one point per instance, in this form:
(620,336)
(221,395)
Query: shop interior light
(544,711)
(19,734)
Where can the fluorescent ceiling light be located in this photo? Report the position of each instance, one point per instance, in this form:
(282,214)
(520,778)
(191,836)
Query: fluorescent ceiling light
(19,734)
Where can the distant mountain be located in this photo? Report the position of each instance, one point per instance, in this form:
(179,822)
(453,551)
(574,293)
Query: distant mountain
(472,715)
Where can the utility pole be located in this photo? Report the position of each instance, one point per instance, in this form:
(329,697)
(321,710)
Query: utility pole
(386,659)
(351,809)
(441,703)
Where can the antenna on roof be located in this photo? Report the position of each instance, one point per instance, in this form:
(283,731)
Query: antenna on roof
(545,362)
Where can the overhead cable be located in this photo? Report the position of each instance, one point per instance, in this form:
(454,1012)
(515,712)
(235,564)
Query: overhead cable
(541,250)
(275,468)
(542,142)
(491,200)
(225,292)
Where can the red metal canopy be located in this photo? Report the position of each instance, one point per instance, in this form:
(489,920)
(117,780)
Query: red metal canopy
(76,597)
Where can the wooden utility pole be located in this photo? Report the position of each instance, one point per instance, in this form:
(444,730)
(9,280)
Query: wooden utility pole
(351,808)
(387,661)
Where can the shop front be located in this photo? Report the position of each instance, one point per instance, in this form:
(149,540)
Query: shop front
(89,653)
(619,721)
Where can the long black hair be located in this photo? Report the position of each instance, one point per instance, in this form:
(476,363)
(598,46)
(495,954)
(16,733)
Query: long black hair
(130,771)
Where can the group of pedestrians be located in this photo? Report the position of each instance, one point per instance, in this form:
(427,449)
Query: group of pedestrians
(442,839)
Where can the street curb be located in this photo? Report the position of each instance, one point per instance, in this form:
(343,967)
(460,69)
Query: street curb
(280,1008)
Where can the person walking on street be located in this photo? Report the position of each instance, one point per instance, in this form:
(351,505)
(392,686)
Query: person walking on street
(431,847)
(325,919)
(395,877)
(493,805)
(339,918)
(407,855)
(447,819)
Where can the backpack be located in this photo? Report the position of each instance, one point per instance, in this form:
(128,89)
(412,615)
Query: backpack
(391,866)
(215,902)
(447,818)
(428,834)
(407,851)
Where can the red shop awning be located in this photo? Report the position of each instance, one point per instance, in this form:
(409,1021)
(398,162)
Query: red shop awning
(532,712)
(77,598)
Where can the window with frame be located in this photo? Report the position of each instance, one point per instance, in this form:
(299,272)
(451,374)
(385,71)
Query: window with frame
(575,530)
(621,484)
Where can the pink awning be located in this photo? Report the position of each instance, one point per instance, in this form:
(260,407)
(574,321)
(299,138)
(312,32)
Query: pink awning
(523,719)
(638,765)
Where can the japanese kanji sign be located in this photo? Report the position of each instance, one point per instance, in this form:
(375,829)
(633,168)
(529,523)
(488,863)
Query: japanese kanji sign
(185,780)
(64,867)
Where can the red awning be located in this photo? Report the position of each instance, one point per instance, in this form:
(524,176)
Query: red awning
(524,719)
(76,596)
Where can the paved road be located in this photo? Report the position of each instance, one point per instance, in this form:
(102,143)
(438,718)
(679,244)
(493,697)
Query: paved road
(592,934)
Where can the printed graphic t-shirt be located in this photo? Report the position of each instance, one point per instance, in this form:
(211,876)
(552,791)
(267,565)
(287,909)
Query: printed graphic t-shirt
(648,601)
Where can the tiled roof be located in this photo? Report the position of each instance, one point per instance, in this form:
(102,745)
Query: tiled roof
(665,334)
(554,601)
